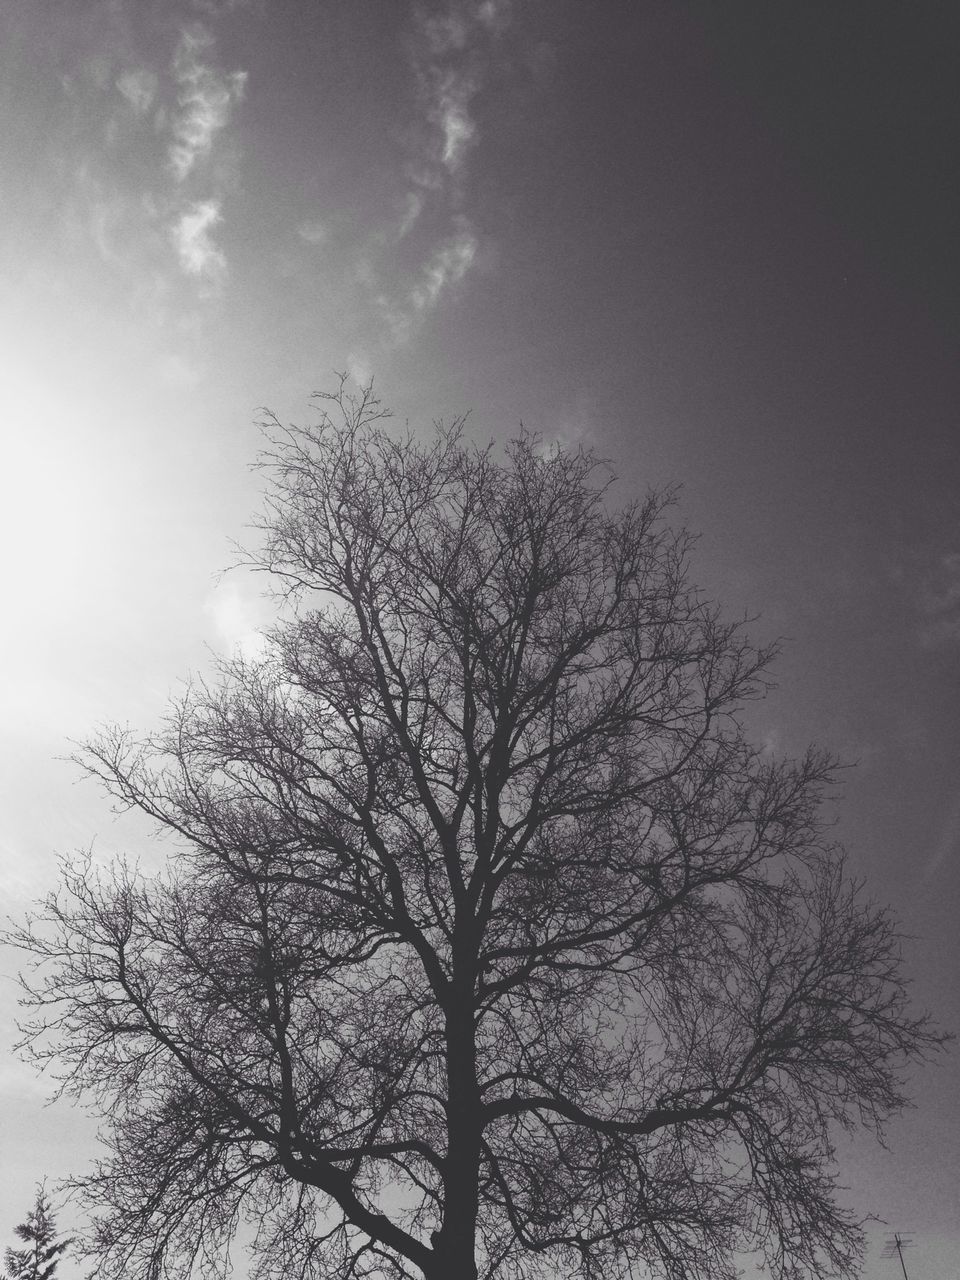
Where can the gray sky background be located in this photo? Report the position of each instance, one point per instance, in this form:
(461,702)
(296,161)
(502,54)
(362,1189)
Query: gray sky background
(716,242)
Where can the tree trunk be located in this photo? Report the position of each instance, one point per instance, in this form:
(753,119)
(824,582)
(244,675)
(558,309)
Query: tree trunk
(455,1252)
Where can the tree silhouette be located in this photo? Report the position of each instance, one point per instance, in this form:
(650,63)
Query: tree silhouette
(38,1261)
(491,945)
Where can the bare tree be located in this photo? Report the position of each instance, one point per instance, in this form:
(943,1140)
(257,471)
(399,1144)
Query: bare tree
(492,947)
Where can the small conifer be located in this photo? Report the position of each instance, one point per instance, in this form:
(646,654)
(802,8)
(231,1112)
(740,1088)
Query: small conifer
(43,1250)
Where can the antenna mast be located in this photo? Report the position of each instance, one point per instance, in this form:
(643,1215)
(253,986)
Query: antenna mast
(896,1245)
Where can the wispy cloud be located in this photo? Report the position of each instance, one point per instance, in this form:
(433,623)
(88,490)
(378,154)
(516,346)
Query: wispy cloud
(107,212)
(939,602)
(199,255)
(169,119)
(139,87)
(412,209)
(449,113)
(450,263)
(177,371)
(150,200)
(947,844)
(358,367)
(215,8)
(451,55)
(239,616)
(313,231)
(447,265)
(205,99)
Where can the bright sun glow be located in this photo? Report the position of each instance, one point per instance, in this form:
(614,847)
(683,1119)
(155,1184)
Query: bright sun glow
(51,503)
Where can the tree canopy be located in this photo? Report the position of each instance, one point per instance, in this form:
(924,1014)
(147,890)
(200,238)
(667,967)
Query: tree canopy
(490,946)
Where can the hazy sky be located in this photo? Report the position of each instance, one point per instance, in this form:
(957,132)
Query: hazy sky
(718,242)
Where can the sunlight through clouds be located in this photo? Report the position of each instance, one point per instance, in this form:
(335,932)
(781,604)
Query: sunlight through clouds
(540,214)
(359,368)
(238,613)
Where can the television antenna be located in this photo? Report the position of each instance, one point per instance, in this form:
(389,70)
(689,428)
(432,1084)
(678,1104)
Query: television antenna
(899,1241)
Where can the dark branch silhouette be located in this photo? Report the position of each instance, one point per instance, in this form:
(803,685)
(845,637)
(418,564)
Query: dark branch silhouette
(492,947)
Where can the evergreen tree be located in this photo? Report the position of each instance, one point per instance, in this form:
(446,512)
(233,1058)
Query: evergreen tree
(38,1259)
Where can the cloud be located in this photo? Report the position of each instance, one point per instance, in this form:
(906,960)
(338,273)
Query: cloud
(216,8)
(948,841)
(453,30)
(412,258)
(313,231)
(446,266)
(451,115)
(450,63)
(205,100)
(198,254)
(238,618)
(939,602)
(139,87)
(449,264)
(451,58)
(359,369)
(413,207)
(150,200)
(451,68)
(107,213)
(177,371)
(206,97)
(495,15)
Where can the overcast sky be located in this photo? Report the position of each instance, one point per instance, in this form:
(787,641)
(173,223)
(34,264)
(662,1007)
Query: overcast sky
(716,242)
